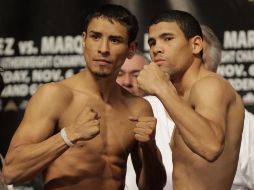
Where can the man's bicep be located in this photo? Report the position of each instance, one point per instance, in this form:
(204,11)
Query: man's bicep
(38,123)
(211,102)
(213,114)
(146,109)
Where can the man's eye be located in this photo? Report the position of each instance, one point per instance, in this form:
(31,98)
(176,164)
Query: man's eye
(167,39)
(135,74)
(151,44)
(95,37)
(115,41)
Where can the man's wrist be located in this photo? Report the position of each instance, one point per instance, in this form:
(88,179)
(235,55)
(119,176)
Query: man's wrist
(161,89)
(65,138)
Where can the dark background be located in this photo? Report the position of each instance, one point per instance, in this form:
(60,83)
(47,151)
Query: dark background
(31,20)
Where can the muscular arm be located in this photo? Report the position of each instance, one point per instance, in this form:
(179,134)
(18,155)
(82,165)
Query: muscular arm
(201,120)
(147,158)
(153,174)
(33,147)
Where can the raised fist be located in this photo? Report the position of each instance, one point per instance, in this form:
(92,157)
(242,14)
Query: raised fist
(85,127)
(145,128)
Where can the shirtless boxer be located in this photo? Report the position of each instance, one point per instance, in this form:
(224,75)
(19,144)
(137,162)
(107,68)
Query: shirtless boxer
(79,131)
(244,177)
(207,111)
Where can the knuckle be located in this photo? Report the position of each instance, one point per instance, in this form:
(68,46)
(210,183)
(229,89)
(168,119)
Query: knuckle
(136,130)
(86,109)
(91,114)
(96,122)
(139,125)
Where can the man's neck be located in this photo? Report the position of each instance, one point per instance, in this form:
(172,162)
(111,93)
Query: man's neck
(186,80)
(104,87)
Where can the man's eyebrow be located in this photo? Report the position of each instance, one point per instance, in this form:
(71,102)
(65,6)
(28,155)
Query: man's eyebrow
(92,32)
(116,37)
(136,70)
(166,34)
(163,35)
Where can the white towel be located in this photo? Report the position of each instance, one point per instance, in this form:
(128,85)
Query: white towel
(244,178)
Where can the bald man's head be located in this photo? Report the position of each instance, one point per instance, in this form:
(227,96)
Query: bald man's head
(127,77)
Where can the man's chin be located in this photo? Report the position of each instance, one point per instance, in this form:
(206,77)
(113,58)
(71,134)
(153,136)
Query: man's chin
(101,75)
(100,72)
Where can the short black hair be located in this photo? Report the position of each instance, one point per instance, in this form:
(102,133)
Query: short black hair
(186,22)
(116,13)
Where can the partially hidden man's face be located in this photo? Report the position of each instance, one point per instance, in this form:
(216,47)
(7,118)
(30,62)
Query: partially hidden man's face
(169,48)
(105,46)
(127,76)
(206,56)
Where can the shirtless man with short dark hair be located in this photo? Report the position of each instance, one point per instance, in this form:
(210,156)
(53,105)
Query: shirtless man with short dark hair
(207,111)
(79,131)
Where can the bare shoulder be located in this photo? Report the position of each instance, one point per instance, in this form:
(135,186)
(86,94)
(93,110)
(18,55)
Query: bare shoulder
(50,98)
(213,85)
(211,81)
(138,105)
(53,92)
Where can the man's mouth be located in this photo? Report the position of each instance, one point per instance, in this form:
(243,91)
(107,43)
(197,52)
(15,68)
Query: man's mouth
(159,61)
(102,62)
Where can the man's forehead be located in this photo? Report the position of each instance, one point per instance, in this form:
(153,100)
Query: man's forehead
(103,24)
(164,28)
(133,64)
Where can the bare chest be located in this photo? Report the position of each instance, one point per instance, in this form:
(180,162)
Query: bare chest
(182,154)
(116,131)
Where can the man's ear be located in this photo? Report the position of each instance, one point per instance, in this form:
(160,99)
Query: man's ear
(83,39)
(197,44)
(132,49)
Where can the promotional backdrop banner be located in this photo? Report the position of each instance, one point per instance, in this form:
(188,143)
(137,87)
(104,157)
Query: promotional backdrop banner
(40,42)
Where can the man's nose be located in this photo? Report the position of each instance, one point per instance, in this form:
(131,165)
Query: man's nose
(127,80)
(103,47)
(157,49)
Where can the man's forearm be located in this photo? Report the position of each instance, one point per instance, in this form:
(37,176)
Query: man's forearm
(153,175)
(25,161)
